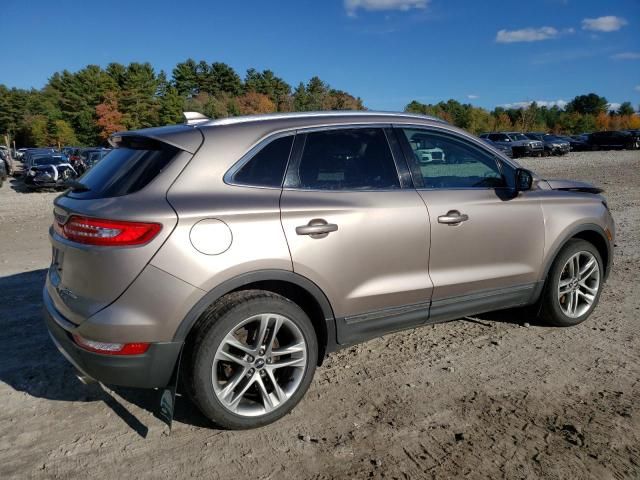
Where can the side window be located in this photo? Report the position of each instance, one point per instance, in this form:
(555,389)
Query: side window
(444,161)
(266,168)
(347,159)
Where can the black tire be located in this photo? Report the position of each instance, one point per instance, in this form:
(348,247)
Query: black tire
(550,311)
(222,318)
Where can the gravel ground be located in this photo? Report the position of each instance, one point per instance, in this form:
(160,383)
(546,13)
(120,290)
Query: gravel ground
(478,398)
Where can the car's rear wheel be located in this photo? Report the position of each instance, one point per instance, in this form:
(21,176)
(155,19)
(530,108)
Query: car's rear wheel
(252,360)
(574,284)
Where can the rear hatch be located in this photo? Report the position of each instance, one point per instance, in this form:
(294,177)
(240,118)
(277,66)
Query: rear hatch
(95,252)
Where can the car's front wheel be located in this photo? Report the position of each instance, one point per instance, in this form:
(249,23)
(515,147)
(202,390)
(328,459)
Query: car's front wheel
(574,284)
(252,360)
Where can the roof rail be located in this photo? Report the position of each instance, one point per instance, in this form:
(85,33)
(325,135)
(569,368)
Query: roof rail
(331,113)
(194,117)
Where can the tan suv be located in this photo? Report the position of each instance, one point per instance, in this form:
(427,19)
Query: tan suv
(257,245)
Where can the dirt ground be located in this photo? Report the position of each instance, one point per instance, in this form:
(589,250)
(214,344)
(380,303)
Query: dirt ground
(488,397)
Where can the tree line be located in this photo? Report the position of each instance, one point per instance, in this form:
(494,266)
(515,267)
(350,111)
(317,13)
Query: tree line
(585,113)
(85,107)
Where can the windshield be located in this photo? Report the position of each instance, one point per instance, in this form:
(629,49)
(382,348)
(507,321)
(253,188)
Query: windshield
(518,136)
(125,170)
(48,161)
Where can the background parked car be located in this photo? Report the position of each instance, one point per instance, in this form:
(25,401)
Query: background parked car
(519,143)
(506,149)
(3,170)
(613,140)
(30,153)
(88,157)
(552,144)
(5,161)
(49,171)
(636,138)
(577,143)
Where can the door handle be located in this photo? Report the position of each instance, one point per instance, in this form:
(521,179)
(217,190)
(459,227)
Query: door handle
(453,217)
(317,228)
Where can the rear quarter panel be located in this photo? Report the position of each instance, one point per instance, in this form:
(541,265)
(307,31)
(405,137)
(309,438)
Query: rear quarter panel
(251,214)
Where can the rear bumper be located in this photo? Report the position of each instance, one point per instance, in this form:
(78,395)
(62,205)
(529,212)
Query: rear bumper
(31,183)
(149,370)
(561,150)
(533,150)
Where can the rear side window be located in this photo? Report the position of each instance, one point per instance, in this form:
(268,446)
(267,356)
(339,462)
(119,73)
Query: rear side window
(126,169)
(266,168)
(349,159)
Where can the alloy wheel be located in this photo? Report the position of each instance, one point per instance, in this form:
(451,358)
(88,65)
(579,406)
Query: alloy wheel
(579,284)
(259,365)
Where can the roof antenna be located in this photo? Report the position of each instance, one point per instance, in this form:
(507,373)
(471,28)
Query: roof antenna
(194,117)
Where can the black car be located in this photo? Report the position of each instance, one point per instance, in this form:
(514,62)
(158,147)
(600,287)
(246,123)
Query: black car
(51,171)
(521,145)
(636,138)
(31,153)
(576,142)
(614,140)
(506,149)
(87,158)
(553,145)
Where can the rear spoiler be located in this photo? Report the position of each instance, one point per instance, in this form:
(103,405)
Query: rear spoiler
(184,137)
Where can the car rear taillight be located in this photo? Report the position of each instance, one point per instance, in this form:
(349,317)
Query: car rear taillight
(111,348)
(97,231)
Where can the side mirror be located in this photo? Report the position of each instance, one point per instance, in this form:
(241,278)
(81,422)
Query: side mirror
(524,180)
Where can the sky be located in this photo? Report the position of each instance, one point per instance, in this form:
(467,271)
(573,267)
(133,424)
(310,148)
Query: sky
(388,52)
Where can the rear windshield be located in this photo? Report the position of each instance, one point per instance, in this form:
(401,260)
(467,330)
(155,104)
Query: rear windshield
(48,161)
(126,169)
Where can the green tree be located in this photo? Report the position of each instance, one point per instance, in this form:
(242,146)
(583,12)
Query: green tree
(137,100)
(171,102)
(224,79)
(62,134)
(79,94)
(185,78)
(626,109)
(590,104)
(267,83)
(36,131)
(300,98)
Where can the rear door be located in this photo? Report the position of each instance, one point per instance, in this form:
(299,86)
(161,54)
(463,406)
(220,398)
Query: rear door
(355,231)
(486,244)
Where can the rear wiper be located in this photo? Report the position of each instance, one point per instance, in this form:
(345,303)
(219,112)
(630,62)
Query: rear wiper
(76,186)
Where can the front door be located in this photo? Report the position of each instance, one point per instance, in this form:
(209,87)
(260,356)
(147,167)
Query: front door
(486,243)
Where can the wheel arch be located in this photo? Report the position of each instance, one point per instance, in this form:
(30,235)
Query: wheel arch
(306,294)
(593,234)
(590,232)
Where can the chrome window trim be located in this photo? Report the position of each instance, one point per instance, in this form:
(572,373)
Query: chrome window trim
(501,160)
(347,126)
(228,177)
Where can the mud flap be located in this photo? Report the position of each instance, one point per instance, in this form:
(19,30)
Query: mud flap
(168,396)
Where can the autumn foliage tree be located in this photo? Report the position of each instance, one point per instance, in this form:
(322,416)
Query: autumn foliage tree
(86,106)
(253,102)
(110,119)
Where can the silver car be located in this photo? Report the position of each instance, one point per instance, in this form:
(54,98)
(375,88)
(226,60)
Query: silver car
(252,247)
